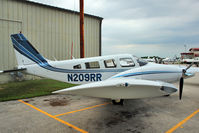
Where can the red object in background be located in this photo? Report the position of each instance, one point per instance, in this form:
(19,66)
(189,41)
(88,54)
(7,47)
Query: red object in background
(194,49)
(196,55)
(186,53)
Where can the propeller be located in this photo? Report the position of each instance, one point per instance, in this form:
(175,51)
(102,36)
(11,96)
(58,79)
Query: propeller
(182,80)
(181,87)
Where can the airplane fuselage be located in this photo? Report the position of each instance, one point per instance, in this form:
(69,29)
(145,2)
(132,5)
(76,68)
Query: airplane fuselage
(81,71)
(121,76)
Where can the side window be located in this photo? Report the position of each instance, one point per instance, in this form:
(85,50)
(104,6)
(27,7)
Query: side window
(77,66)
(92,65)
(109,63)
(126,62)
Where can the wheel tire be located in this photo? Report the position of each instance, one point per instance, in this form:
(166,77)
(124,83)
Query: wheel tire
(167,95)
(115,102)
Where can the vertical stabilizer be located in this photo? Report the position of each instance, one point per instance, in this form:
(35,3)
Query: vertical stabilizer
(26,54)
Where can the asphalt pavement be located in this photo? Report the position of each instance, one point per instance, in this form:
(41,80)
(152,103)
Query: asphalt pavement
(69,113)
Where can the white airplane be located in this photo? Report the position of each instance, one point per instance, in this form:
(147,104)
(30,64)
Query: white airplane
(150,59)
(167,60)
(116,77)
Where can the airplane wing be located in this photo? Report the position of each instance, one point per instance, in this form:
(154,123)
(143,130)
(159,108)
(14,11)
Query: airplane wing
(121,88)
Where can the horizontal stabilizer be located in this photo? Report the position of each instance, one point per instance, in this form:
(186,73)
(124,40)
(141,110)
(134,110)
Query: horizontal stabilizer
(13,70)
(120,88)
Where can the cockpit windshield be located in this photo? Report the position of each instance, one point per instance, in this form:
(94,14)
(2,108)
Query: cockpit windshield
(140,61)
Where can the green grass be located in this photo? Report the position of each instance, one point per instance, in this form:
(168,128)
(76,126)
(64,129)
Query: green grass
(30,88)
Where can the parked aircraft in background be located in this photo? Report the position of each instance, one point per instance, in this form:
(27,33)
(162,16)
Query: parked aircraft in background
(116,77)
(189,61)
(168,60)
(149,59)
(191,57)
(154,59)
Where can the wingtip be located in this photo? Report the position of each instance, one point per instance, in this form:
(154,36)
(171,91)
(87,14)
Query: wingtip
(58,91)
(54,92)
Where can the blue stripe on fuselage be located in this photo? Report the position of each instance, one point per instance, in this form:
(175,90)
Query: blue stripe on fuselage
(145,73)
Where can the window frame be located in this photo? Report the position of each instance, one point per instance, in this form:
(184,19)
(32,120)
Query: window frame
(113,61)
(77,66)
(87,64)
(128,65)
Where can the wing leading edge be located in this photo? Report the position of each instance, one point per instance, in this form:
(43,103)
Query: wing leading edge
(121,88)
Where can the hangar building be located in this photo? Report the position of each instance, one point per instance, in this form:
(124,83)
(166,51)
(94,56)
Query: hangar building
(50,29)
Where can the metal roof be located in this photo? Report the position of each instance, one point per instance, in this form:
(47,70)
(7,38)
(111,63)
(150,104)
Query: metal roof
(59,8)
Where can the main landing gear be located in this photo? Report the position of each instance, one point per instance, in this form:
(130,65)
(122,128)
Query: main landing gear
(167,95)
(118,102)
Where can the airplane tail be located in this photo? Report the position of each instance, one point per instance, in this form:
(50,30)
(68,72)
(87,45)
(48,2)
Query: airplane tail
(26,54)
(32,61)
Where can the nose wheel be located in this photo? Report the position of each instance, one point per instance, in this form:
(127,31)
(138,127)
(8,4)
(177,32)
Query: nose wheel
(118,102)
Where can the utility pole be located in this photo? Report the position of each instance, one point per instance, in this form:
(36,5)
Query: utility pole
(81,28)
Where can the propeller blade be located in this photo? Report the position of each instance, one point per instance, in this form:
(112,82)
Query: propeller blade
(189,66)
(181,87)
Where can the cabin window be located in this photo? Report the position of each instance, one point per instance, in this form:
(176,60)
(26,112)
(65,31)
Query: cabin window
(109,63)
(140,61)
(126,62)
(77,66)
(92,65)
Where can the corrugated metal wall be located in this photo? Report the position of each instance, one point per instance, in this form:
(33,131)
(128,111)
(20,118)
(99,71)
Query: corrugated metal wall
(51,30)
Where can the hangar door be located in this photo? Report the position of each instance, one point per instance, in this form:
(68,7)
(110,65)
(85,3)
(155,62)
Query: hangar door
(7,55)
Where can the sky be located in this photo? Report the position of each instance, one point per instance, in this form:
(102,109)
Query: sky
(162,28)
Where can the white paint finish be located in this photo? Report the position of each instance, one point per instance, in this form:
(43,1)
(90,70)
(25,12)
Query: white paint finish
(172,73)
(116,89)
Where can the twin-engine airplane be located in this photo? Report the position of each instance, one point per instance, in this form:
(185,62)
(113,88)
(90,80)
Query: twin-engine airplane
(116,77)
